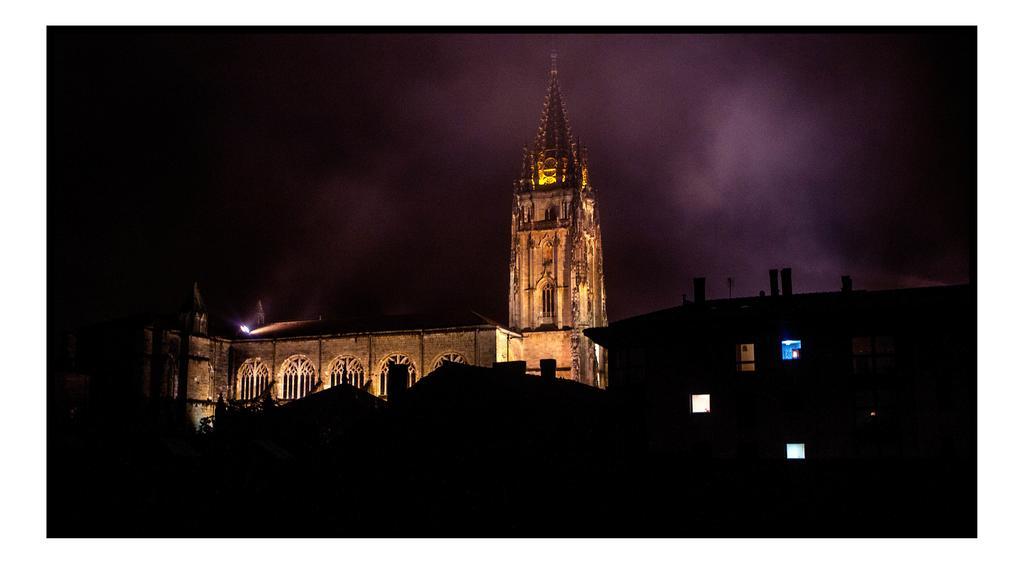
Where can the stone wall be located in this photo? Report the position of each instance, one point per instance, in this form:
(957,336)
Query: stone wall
(548,344)
(479,346)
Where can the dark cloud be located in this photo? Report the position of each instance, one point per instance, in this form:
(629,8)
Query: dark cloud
(348,173)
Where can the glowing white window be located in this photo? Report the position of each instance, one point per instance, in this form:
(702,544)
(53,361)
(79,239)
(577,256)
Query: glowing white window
(795,451)
(700,403)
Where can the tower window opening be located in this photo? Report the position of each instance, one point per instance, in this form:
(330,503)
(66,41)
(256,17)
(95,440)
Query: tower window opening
(548,295)
(551,213)
(795,451)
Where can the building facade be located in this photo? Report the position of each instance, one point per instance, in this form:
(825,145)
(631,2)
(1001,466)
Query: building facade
(848,374)
(556,277)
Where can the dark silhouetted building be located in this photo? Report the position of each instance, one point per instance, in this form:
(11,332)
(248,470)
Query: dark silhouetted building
(846,374)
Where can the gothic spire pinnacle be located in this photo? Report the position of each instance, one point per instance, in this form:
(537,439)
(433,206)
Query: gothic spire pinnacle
(261,318)
(554,132)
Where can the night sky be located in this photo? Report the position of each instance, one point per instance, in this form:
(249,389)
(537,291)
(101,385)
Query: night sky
(361,174)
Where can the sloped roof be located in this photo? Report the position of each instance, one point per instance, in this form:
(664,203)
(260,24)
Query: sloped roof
(371,324)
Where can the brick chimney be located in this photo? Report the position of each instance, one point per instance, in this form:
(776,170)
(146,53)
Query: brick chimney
(398,380)
(773,280)
(787,282)
(547,368)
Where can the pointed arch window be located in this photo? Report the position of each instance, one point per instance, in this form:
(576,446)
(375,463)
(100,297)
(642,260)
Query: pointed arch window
(548,300)
(253,378)
(347,370)
(453,357)
(298,377)
(551,213)
(385,365)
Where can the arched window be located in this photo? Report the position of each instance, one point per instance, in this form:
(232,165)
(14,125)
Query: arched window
(253,377)
(548,300)
(448,357)
(397,358)
(551,213)
(346,370)
(298,377)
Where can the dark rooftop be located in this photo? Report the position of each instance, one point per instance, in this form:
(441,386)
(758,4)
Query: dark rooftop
(818,303)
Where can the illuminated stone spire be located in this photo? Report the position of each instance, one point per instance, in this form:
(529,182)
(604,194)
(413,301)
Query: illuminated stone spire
(554,133)
(261,318)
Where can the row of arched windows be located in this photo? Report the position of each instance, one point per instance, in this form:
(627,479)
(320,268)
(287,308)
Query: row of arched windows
(298,375)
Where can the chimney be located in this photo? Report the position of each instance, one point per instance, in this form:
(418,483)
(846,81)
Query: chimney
(773,279)
(398,380)
(547,368)
(698,290)
(847,283)
(787,282)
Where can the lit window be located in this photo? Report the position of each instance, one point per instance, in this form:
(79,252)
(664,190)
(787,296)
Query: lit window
(790,349)
(745,357)
(700,403)
(795,451)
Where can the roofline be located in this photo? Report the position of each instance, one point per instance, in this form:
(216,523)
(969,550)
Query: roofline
(782,298)
(249,339)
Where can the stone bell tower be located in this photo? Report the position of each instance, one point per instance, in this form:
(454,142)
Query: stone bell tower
(556,281)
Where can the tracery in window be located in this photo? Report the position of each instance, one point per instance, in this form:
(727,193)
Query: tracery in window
(548,300)
(253,378)
(397,358)
(298,377)
(449,357)
(347,370)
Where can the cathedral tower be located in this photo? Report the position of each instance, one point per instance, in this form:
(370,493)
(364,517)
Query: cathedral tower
(556,282)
